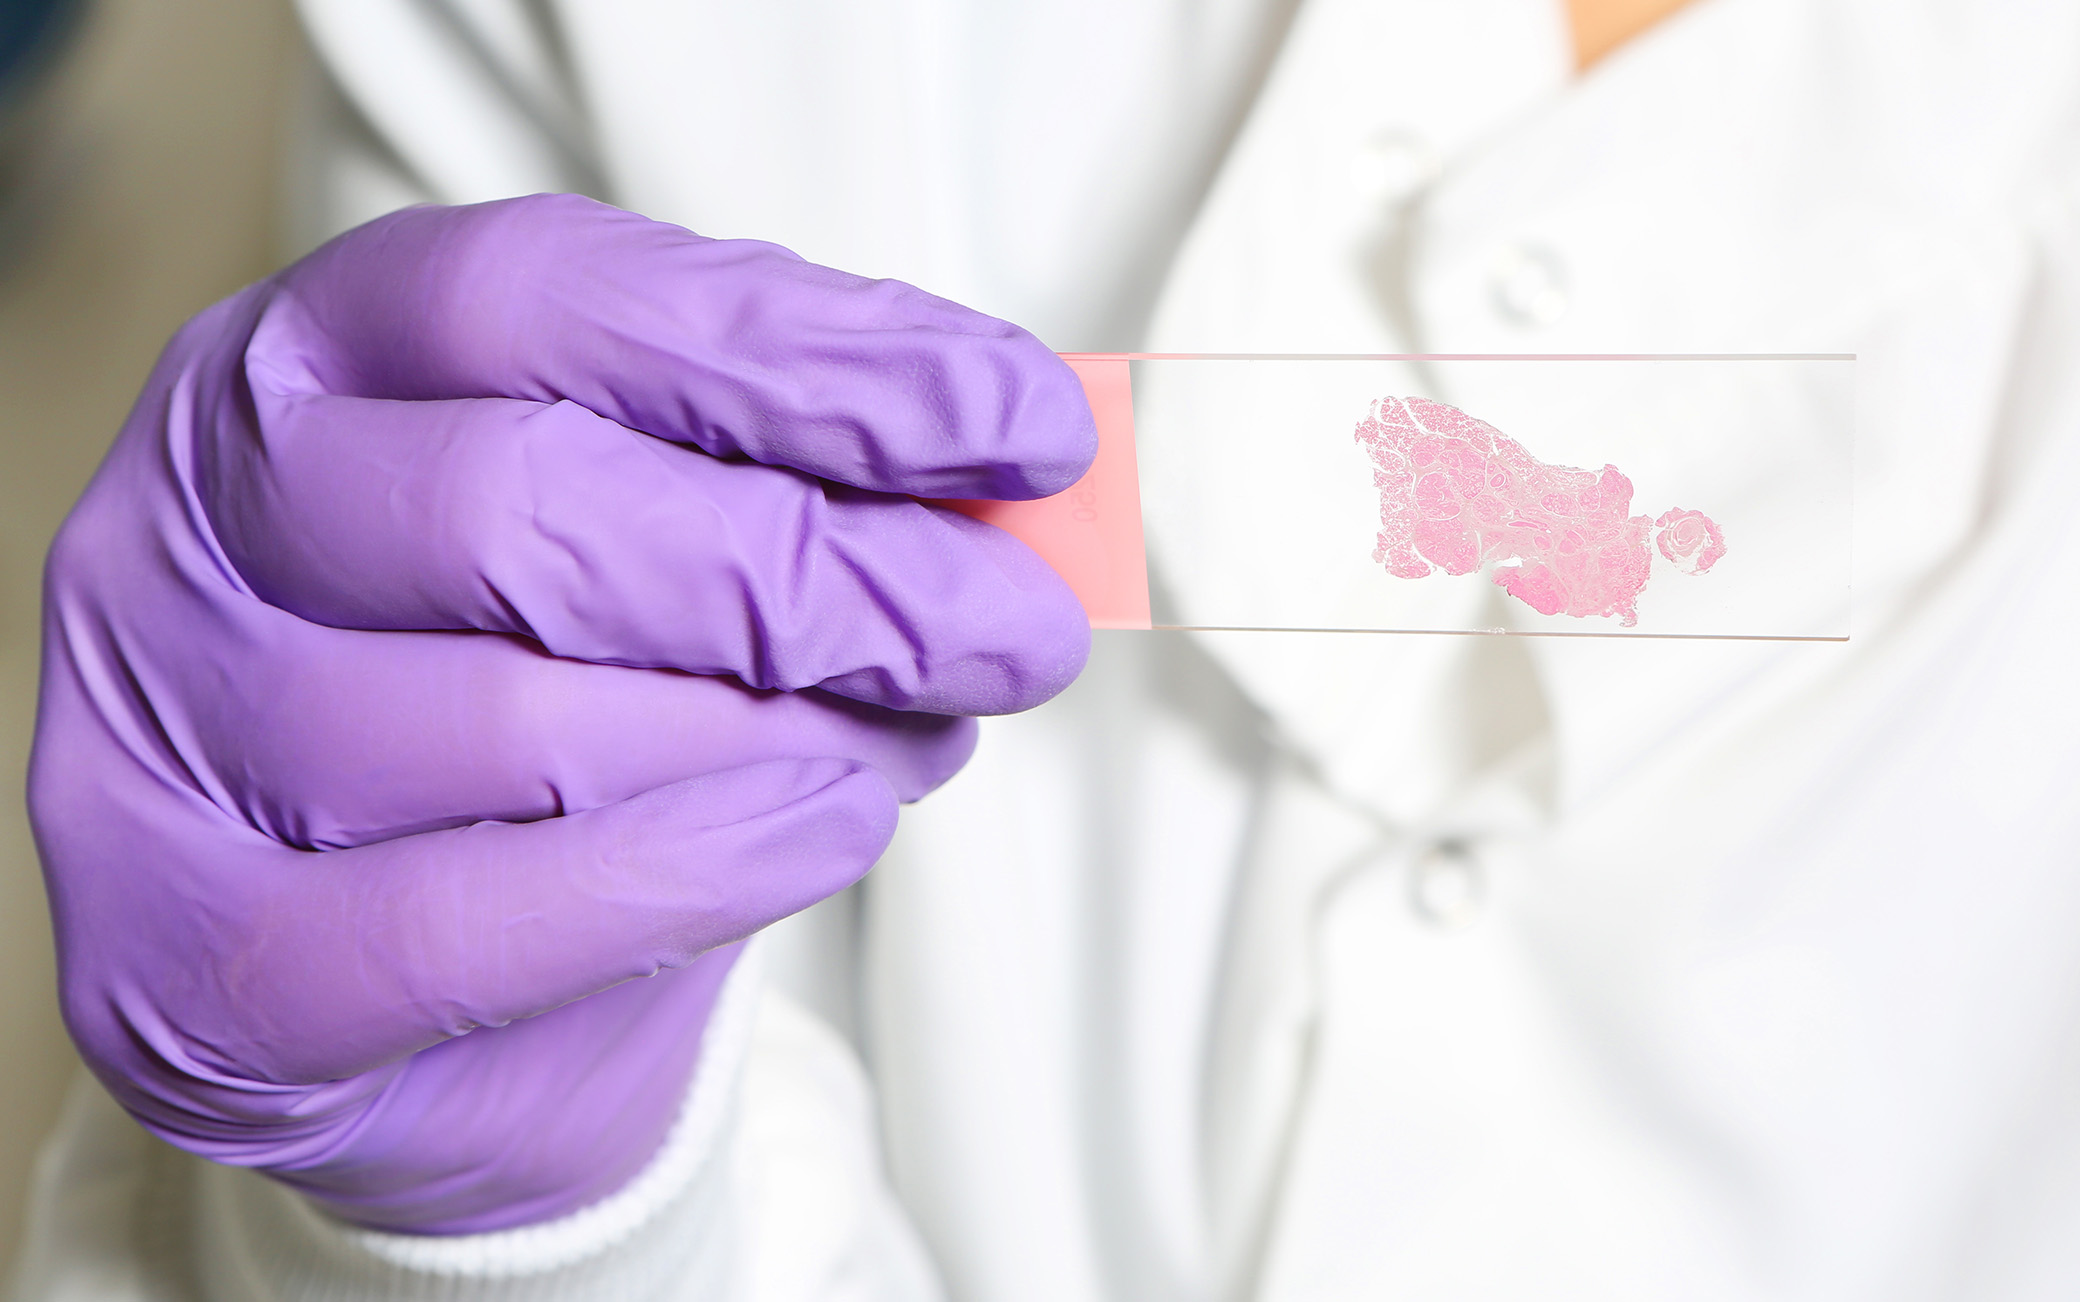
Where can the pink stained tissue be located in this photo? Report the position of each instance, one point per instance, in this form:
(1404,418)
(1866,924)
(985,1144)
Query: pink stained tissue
(1458,494)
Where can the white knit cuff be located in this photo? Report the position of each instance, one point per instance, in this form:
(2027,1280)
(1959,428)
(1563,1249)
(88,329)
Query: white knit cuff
(669,1234)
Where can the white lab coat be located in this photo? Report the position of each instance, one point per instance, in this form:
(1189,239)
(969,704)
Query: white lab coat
(1755,972)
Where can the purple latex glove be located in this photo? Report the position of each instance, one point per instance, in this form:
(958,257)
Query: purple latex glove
(462,625)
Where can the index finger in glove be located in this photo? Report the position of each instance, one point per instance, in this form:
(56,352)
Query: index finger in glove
(737,347)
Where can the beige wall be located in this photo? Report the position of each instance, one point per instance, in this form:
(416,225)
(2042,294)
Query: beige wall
(163,200)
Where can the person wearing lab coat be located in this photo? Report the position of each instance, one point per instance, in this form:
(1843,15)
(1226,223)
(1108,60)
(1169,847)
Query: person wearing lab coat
(1292,967)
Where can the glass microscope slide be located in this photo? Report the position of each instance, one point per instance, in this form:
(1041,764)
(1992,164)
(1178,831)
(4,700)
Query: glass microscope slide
(1621,496)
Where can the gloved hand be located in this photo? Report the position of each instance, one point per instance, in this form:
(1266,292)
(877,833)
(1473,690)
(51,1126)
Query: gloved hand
(501,604)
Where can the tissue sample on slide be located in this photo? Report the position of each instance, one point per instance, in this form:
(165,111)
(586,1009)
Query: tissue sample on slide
(1457,494)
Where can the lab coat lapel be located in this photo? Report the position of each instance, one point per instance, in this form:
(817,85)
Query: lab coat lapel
(1738,181)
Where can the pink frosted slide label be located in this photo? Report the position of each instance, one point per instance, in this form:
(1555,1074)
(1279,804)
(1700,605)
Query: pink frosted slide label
(1458,494)
(1091,532)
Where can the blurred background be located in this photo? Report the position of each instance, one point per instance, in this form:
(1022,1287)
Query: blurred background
(140,143)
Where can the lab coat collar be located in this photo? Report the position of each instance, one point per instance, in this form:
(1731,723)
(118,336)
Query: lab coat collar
(1720,186)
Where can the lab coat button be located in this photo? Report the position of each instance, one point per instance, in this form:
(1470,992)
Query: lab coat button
(1391,166)
(1446,886)
(1529,284)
